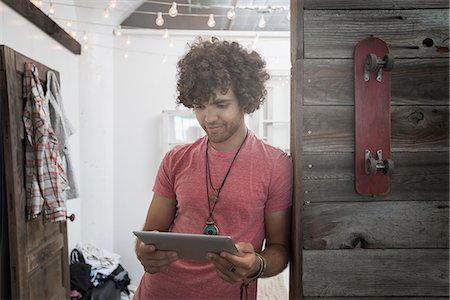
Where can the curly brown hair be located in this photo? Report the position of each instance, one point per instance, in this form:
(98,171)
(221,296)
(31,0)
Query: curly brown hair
(212,64)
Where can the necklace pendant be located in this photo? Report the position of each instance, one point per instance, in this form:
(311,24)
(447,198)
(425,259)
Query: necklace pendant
(213,198)
(210,228)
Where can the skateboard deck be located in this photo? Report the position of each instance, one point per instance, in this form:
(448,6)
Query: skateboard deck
(373,164)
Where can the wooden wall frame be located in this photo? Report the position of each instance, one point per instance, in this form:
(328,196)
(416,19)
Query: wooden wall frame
(41,20)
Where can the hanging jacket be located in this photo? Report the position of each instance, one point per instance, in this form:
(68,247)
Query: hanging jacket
(45,178)
(63,129)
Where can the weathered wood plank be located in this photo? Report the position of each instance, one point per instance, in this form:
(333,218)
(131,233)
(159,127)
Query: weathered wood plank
(414,82)
(414,128)
(380,225)
(329,177)
(341,165)
(43,22)
(410,33)
(370,4)
(376,272)
(295,281)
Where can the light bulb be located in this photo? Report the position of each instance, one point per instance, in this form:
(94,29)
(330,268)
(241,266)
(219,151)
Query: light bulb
(51,9)
(211,21)
(39,3)
(106,13)
(173,12)
(118,31)
(125,55)
(85,37)
(128,41)
(112,4)
(288,15)
(159,19)
(171,44)
(74,34)
(262,22)
(164,59)
(69,24)
(166,34)
(86,47)
(231,13)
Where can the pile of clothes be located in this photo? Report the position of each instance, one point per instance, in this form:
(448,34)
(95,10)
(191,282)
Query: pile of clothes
(96,274)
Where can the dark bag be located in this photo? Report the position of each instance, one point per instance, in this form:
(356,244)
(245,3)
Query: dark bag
(80,272)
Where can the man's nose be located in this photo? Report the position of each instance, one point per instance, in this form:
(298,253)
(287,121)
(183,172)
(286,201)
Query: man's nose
(210,114)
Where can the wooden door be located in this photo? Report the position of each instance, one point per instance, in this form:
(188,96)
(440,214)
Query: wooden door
(348,246)
(38,250)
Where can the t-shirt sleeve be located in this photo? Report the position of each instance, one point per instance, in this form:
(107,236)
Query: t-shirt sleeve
(281,184)
(164,182)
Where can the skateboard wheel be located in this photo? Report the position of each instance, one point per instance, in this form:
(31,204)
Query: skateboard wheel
(371,62)
(388,167)
(371,166)
(388,62)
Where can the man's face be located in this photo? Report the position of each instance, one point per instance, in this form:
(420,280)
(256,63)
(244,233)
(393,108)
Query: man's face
(220,117)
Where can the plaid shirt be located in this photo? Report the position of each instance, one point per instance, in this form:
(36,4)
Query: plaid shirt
(45,178)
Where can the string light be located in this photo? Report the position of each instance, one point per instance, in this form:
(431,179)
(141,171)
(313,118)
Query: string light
(74,34)
(128,41)
(211,21)
(164,59)
(112,4)
(85,37)
(173,12)
(171,44)
(117,31)
(39,3)
(262,22)
(166,34)
(125,55)
(69,24)
(86,47)
(231,13)
(51,9)
(106,13)
(159,19)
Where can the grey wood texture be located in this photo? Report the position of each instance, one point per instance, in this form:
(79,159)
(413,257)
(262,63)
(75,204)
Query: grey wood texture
(414,82)
(329,177)
(382,224)
(413,128)
(370,4)
(375,272)
(334,33)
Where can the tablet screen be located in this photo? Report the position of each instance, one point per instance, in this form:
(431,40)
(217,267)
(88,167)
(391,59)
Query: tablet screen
(188,246)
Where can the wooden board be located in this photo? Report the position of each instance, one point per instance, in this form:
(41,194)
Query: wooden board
(414,128)
(375,272)
(410,33)
(414,82)
(418,176)
(369,4)
(38,250)
(382,224)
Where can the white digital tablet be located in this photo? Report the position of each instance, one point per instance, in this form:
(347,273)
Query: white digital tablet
(188,246)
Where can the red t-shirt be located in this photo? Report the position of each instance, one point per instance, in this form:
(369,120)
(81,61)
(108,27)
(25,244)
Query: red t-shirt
(260,181)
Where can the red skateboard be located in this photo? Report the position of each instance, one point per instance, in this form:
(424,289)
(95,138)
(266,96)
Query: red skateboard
(373,164)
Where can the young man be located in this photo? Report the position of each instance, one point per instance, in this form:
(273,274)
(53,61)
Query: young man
(229,182)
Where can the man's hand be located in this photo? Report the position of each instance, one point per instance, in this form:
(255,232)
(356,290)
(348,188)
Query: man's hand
(234,268)
(154,260)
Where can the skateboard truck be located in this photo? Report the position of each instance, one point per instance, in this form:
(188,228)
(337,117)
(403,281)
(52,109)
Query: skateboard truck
(373,63)
(373,165)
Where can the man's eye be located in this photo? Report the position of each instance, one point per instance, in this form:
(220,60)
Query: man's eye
(222,105)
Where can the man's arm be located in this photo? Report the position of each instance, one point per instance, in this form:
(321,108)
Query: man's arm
(160,216)
(276,253)
(247,265)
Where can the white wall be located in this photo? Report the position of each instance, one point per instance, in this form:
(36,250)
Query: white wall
(24,37)
(144,85)
(115,105)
